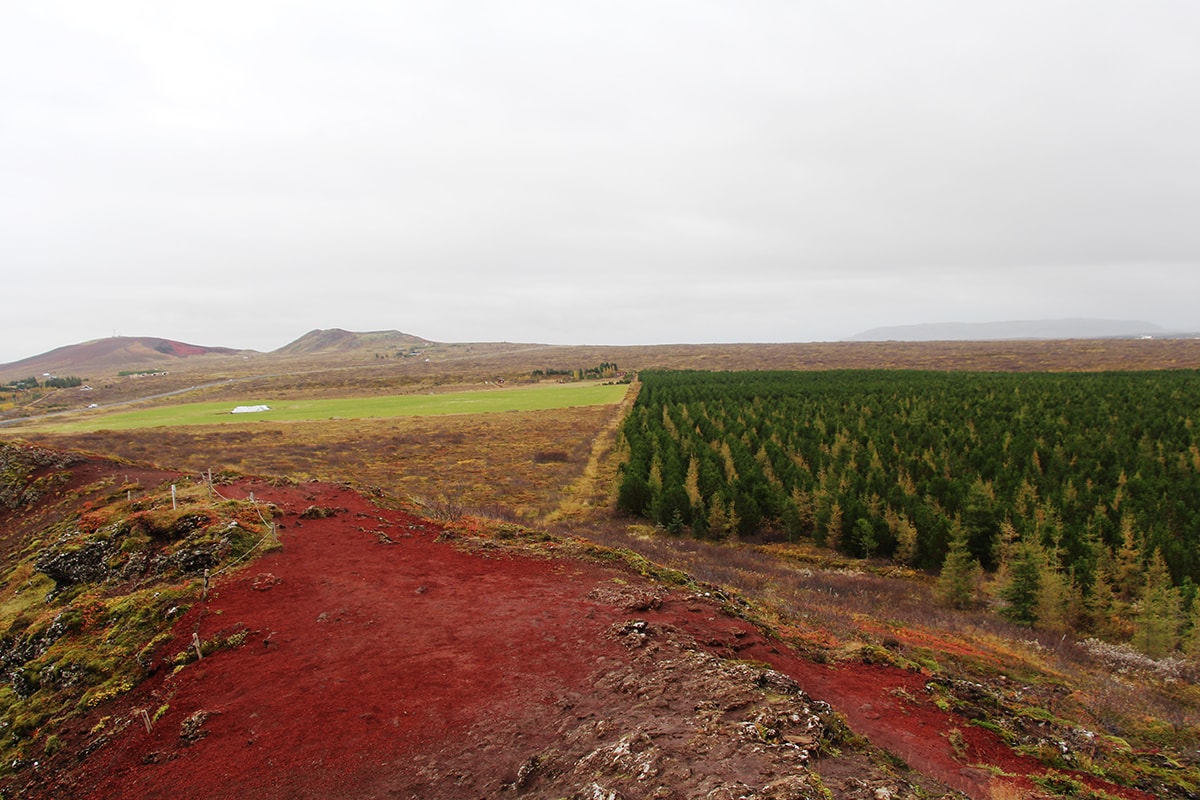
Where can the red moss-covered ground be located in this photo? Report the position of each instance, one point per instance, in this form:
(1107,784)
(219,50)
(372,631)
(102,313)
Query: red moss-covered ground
(380,661)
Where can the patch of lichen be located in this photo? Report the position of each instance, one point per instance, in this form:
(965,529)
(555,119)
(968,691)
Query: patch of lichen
(85,613)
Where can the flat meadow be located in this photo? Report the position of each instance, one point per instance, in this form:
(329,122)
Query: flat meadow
(486,401)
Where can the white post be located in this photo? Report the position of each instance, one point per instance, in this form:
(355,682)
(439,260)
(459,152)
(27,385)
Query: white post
(196,644)
(173,506)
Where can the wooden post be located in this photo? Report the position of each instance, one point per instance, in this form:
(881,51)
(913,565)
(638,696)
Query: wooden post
(146,719)
(196,644)
(173,506)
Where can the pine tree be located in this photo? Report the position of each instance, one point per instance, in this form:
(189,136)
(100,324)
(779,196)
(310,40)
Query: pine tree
(699,520)
(905,534)
(864,537)
(805,513)
(1100,608)
(691,483)
(979,516)
(959,579)
(1053,597)
(718,519)
(1191,638)
(1006,544)
(1127,576)
(1158,618)
(735,522)
(833,529)
(1020,592)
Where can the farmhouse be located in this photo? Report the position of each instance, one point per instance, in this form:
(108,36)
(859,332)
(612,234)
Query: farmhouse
(249,409)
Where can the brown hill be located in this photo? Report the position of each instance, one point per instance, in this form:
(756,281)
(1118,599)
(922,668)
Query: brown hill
(336,340)
(107,355)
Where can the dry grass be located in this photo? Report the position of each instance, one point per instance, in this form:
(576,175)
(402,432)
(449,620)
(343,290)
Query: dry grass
(459,365)
(834,608)
(491,462)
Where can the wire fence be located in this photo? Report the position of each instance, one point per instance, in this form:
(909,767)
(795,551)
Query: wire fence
(269,524)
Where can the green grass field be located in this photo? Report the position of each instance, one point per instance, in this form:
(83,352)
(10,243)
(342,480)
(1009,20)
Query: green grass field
(526,398)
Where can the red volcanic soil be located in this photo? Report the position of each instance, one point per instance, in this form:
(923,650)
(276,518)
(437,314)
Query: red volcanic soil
(382,660)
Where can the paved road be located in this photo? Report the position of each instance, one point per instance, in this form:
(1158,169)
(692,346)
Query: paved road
(108,406)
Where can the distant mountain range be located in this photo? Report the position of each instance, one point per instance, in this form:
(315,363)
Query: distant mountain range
(136,352)
(152,353)
(1015,329)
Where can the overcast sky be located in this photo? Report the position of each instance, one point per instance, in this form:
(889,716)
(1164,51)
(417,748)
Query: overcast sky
(238,173)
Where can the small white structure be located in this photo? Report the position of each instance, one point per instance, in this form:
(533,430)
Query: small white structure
(250,409)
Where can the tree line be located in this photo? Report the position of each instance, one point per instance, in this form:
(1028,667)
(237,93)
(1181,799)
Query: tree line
(51,382)
(1071,484)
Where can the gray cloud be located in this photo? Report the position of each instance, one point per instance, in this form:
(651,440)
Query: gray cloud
(593,172)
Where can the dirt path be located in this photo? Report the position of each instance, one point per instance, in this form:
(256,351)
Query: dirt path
(589,489)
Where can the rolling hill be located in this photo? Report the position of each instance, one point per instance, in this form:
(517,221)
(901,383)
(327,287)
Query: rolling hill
(334,340)
(115,352)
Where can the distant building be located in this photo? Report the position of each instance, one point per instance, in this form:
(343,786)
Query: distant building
(249,409)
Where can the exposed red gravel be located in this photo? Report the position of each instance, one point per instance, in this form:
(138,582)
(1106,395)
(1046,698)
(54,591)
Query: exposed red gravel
(890,707)
(361,653)
(374,649)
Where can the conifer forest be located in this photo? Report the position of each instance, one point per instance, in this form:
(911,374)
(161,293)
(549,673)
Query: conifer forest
(1078,489)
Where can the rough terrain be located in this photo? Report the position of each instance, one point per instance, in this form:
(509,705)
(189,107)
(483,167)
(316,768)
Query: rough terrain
(381,656)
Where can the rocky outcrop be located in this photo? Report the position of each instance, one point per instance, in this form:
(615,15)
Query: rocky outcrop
(27,472)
